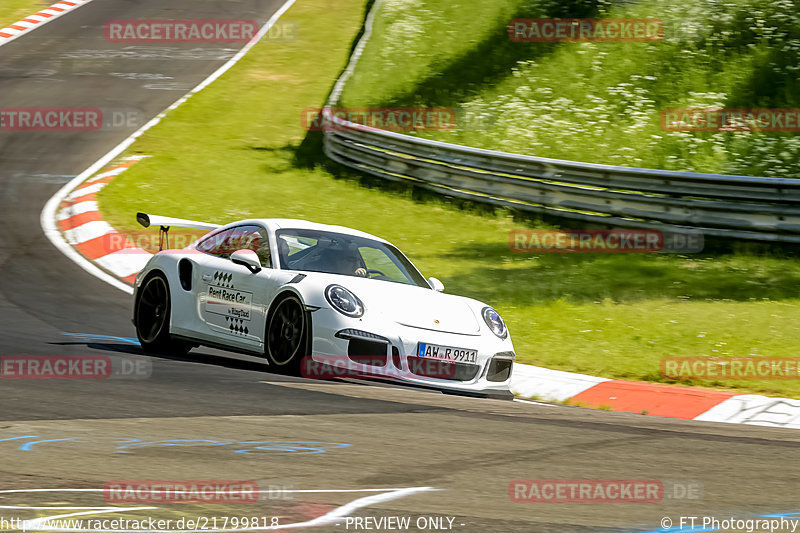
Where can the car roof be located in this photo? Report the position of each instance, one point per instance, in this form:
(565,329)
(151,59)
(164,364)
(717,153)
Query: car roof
(274,224)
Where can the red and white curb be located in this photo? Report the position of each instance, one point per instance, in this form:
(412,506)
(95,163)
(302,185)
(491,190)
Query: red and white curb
(84,229)
(655,399)
(36,20)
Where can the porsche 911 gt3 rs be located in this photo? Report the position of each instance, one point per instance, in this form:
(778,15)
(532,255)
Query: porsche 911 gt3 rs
(310,296)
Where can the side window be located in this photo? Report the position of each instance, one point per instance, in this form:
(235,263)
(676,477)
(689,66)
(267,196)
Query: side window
(289,245)
(213,244)
(224,243)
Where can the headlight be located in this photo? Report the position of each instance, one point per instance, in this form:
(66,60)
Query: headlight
(344,301)
(495,323)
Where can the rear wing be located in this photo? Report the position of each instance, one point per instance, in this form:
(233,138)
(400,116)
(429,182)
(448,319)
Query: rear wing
(165,223)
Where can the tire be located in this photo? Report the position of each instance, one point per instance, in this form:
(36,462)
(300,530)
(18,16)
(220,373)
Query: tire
(152,316)
(285,339)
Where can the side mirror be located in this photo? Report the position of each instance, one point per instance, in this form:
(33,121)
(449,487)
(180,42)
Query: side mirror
(435,284)
(247,258)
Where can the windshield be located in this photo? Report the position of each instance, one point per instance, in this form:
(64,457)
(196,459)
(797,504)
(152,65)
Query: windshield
(337,253)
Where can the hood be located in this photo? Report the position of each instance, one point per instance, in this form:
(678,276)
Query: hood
(413,306)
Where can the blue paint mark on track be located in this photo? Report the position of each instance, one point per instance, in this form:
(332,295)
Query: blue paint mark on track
(290,447)
(95,337)
(253,447)
(28,445)
(22,437)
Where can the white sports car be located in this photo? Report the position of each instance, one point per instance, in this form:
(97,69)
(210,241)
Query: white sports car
(319,300)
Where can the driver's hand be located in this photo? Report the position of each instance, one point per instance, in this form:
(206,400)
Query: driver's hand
(361,272)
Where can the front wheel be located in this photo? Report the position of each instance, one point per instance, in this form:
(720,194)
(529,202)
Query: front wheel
(152,313)
(286,335)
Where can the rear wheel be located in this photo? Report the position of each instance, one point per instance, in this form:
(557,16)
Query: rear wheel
(287,326)
(152,314)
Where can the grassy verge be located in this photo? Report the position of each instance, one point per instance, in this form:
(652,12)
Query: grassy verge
(596,102)
(234,151)
(13,10)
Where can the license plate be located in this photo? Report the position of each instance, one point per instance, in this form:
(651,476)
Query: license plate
(447,353)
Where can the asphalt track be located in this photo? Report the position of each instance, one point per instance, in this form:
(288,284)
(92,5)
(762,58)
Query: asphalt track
(211,417)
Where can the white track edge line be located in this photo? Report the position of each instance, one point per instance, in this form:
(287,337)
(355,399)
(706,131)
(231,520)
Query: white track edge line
(48,215)
(533,402)
(331,517)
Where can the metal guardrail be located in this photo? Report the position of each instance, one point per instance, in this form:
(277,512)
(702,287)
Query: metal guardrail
(742,207)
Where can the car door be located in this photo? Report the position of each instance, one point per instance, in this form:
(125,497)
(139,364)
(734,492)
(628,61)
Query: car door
(232,301)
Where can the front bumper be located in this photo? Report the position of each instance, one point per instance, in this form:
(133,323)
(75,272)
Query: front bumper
(389,351)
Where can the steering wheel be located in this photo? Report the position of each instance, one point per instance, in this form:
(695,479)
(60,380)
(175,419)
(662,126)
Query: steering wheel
(377,272)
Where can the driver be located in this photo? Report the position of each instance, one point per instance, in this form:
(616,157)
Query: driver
(350,263)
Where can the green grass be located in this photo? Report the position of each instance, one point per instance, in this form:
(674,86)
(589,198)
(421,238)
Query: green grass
(237,150)
(595,102)
(13,10)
